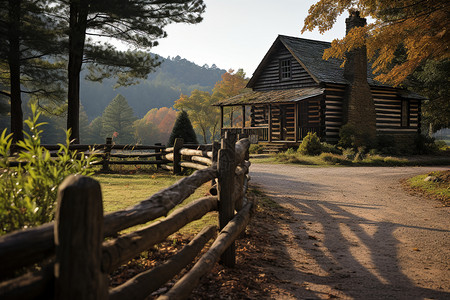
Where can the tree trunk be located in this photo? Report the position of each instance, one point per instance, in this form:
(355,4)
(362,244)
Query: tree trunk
(14,69)
(77,34)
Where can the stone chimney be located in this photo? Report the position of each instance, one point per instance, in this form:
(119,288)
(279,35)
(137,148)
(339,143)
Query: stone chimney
(359,108)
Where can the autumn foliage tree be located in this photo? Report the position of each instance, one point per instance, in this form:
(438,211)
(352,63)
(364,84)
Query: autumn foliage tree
(419,27)
(155,126)
(204,116)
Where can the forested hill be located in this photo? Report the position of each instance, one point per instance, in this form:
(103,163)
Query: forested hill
(161,88)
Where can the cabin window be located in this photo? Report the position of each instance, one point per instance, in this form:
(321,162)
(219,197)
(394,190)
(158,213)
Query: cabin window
(285,69)
(405,113)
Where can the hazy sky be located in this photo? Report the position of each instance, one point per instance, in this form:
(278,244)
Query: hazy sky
(237,33)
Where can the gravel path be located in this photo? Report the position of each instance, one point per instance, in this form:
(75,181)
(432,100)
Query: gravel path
(354,233)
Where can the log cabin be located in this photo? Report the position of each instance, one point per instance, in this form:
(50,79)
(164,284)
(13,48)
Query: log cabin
(294,91)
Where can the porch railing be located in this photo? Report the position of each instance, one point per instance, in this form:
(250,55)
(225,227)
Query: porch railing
(303,131)
(254,134)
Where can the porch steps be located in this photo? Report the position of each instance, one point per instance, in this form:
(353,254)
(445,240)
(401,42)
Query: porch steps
(277,147)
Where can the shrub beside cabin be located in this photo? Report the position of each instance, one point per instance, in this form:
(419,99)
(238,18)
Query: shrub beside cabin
(295,91)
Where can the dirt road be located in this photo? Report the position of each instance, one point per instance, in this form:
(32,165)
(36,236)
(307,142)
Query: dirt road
(354,233)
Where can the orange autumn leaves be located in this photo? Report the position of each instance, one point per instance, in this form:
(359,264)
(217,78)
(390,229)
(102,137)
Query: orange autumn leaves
(155,126)
(420,27)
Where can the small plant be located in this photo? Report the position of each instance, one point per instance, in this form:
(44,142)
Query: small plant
(360,154)
(256,149)
(310,145)
(334,159)
(28,192)
(349,153)
(328,148)
(290,151)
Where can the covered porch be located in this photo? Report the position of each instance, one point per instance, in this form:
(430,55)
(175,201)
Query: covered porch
(284,116)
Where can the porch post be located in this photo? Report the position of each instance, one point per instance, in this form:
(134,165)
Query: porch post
(243,118)
(295,121)
(221,118)
(270,123)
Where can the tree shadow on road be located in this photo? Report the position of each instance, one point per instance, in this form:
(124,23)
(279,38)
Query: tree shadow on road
(326,251)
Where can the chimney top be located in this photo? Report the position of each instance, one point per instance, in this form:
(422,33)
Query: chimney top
(354,20)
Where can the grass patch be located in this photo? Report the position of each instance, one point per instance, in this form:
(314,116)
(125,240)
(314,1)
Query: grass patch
(435,184)
(123,190)
(331,159)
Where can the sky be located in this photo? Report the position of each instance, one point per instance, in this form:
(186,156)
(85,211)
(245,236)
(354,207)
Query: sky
(237,33)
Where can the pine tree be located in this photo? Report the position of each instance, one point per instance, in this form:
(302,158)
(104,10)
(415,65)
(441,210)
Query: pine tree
(137,23)
(95,132)
(117,121)
(29,41)
(183,129)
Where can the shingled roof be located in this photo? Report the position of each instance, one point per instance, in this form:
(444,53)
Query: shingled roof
(309,54)
(275,96)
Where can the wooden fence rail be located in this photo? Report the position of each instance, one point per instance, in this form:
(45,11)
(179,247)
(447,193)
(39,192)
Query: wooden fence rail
(75,258)
(197,156)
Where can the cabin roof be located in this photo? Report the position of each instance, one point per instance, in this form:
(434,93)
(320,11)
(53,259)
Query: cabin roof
(309,54)
(273,96)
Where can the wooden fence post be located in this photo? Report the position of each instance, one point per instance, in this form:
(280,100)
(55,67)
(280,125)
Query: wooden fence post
(78,240)
(107,155)
(215,153)
(226,169)
(177,145)
(158,157)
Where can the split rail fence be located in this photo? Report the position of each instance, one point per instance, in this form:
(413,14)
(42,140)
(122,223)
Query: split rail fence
(186,155)
(75,258)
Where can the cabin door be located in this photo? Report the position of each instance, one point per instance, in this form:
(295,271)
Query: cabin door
(283,127)
(302,119)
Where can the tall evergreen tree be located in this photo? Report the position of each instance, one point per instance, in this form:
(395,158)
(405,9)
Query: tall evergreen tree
(117,121)
(137,23)
(95,132)
(183,129)
(29,46)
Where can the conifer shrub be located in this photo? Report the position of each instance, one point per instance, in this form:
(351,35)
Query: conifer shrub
(310,145)
(28,192)
(183,129)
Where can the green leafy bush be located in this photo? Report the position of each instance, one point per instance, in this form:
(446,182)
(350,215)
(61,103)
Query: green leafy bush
(310,145)
(256,149)
(425,144)
(28,192)
(328,148)
(347,136)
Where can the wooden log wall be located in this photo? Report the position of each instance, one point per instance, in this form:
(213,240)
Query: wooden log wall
(333,114)
(269,79)
(388,107)
(259,115)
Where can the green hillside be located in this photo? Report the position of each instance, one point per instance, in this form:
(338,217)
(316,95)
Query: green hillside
(160,89)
